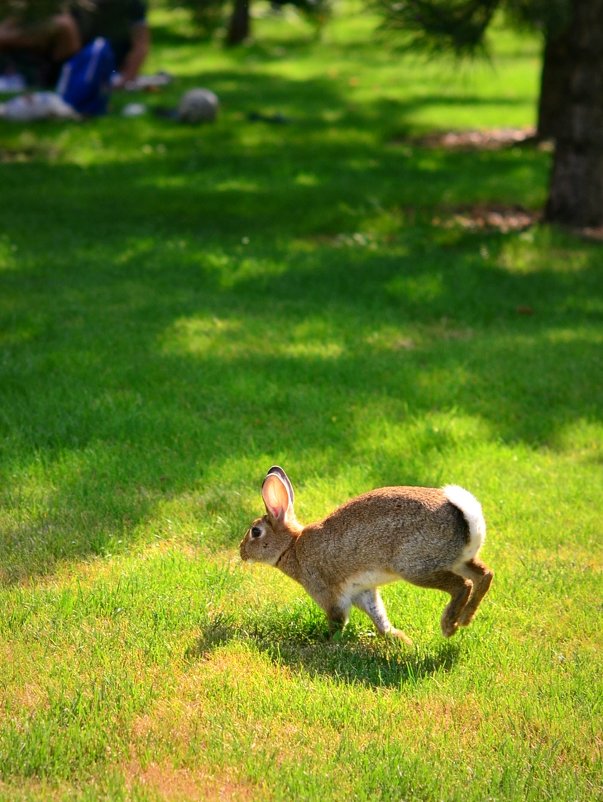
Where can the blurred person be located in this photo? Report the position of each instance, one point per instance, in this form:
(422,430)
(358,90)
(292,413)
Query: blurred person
(37,48)
(124,24)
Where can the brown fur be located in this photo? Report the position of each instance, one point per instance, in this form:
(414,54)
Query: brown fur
(411,533)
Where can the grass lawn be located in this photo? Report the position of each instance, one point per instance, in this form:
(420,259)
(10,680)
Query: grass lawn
(182,307)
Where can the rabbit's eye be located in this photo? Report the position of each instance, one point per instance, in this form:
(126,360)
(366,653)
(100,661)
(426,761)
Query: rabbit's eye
(256,531)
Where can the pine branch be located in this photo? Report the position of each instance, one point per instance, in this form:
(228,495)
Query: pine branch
(440,26)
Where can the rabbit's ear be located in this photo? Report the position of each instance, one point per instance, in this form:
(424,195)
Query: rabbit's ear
(281,473)
(276,496)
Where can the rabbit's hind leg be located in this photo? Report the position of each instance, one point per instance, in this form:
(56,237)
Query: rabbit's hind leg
(459,588)
(481,576)
(371,603)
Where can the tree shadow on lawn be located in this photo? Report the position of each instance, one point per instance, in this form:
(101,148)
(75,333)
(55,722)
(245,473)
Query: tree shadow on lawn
(144,430)
(259,193)
(312,96)
(304,647)
(320,125)
(149,347)
(242,177)
(173,415)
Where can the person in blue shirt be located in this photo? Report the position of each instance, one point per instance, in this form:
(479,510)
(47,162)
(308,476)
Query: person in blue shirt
(124,24)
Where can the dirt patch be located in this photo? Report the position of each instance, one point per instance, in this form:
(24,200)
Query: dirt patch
(492,139)
(176,784)
(595,234)
(487,217)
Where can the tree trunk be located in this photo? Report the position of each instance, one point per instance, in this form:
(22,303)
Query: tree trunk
(239,26)
(576,188)
(554,82)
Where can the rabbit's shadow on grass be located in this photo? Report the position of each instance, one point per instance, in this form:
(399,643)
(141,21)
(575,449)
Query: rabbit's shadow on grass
(357,657)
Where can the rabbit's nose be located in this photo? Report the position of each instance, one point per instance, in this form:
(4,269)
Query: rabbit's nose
(242,551)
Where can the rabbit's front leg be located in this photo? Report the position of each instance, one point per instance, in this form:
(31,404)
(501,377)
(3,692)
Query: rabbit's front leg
(337,609)
(370,602)
(337,616)
(336,606)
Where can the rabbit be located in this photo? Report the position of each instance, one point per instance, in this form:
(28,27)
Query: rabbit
(427,536)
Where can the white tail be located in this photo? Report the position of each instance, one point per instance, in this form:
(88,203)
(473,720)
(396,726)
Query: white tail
(472,511)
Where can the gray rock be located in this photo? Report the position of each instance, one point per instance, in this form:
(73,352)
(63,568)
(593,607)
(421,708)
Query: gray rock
(198,106)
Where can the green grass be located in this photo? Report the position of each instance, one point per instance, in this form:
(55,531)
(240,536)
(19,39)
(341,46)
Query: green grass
(180,308)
